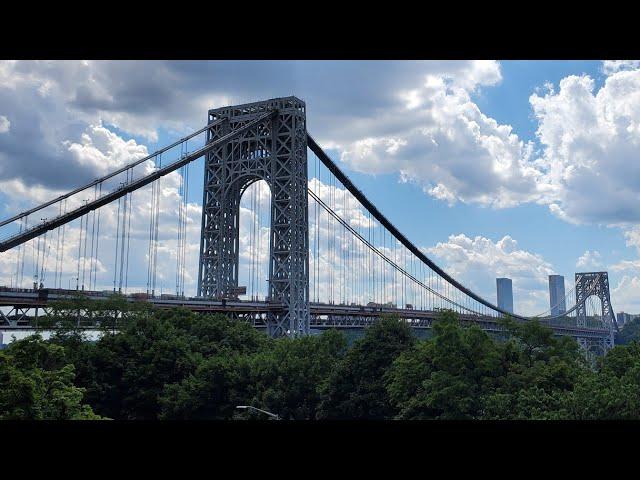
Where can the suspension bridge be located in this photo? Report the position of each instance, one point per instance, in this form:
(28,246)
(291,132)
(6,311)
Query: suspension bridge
(286,241)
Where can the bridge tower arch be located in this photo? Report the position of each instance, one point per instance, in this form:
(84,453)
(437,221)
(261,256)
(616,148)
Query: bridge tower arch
(595,284)
(274,150)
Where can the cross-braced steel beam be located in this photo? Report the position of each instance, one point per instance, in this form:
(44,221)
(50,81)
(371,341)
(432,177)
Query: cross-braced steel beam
(274,150)
(588,284)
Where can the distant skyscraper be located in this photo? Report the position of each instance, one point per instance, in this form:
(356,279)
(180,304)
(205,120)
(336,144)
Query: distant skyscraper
(621,318)
(624,318)
(557,299)
(505,294)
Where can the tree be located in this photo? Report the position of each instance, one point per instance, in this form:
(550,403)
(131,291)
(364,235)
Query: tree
(612,392)
(629,332)
(37,384)
(446,376)
(463,373)
(540,373)
(355,388)
(125,373)
(287,378)
(284,377)
(176,364)
(218,384)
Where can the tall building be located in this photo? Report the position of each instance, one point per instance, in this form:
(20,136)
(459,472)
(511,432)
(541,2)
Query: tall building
(624,318)
(557,299)
(505,294)
(621,318)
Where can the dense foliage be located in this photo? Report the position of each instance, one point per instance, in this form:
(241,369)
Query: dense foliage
(629,332)
(36,383)
(181,365)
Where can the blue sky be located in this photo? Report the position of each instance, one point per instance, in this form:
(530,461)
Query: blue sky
(533,226)
(562,182)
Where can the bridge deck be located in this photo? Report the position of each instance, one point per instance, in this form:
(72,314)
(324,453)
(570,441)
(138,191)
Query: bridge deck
(323,315)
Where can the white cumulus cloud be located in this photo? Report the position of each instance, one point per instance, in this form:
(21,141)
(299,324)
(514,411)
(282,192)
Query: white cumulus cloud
(591,140)
(477,262)
(102,151)
(590,260)
(613,66)
(5,124)
(627,294)
(437,137)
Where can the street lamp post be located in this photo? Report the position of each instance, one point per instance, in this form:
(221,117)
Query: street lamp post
(249,407)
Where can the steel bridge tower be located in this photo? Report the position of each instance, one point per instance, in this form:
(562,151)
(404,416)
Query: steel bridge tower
(585,284)
(274,150)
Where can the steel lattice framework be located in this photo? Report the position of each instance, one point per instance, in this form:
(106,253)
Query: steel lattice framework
(274,150)
(594,284)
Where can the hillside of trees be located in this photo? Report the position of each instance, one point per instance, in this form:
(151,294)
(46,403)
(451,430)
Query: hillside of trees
(181,365)
(629,332)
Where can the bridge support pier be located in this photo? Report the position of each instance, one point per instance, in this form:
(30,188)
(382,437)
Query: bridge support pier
(596,284)
(274,150)
(599,346)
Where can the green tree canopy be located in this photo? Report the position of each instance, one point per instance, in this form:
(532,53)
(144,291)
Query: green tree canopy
(612,392)
(355,388)
(125,372)
(288,378)
(463,373)
(37,384)
(446,376)
(629,332)
(176,364)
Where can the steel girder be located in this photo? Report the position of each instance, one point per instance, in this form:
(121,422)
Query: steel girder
(274,150)
(595,283)
(16,315)
(597,346)
(322,316)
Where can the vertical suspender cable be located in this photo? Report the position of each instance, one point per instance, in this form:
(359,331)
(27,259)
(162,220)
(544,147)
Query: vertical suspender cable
(258,227)
(155,240)
(64,227)
(84,255)
(26,221)
(152,212)
(115,263)
(180,194)
(330,239)
(342,246)
(252,233)
(185,219)
(183,227)
(317,248)
(149,249)
(79,252)
(35,261)
(93,241)
(18,255)
(179,232)
(46,257)
(384,266)
(328,258)
(126,275)
(55,277)
(123,238)
(95,269)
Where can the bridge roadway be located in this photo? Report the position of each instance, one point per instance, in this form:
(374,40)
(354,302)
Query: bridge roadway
(25,304)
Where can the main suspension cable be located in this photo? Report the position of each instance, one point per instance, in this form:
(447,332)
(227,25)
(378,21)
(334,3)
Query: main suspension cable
(376,251)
